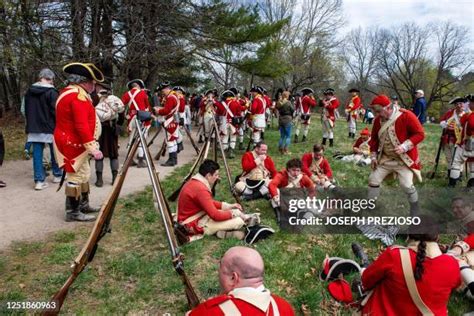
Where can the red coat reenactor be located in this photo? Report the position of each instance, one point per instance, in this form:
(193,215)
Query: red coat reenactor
(136,99)
(352,111)
(464,151)
(386,279)
(330,105)
(75,137)
(257,111)
(393,146)
(201,214)
(181,115)
(291,177)
(306,102)
(169,115)
(258,170)
(244,105)
(207,109)
(317,168)
(360,150)
(244,291)
(230,111)
(452,128)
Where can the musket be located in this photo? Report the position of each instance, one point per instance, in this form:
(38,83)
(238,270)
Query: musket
(196,148)
(155,136)
(101,228)
(432,174)
(226,166)
(160,206)
(360,254)
(162,150)
(197,162)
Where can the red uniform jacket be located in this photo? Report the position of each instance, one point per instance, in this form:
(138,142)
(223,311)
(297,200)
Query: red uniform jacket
(391,296)
(141,102)
(258,105)
(234,107)
(307,103)
(450,135)
(268,101)
(333,104)
(407,127)
(356,104)
(467,130)
(75,126)
(470,241)
(248,164)
(171,107)
(359,142)
(194,197)
(281,181)
(203,104)
(211,307)
(182,103)
(307,160)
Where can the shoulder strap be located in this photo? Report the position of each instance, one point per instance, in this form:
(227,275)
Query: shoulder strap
(132,99)
(411,284)
(226,107)
(274,305)
(229,309)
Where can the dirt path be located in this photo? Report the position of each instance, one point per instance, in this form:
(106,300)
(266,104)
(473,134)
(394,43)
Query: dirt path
(26,214)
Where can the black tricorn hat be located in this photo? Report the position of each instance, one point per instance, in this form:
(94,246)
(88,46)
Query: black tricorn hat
(258,232)
(328,91)
(179,88)
(306,91)
(457,100)
(469,97)
(334,266)
(394,97)
(234,90)
(163,85)
(88,70)
(354,90)
(227,94)
(257,89)
(213,91)
(137,81)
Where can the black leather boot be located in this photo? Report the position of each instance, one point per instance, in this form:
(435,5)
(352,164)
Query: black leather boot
(114,176)
(331,142)
(84,206)
(99,182)
(180,147)
(296,139)
(304,139)
(73,214)
(324,142)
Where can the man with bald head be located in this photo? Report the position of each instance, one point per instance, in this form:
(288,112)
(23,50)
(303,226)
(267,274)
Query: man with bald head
(241,278)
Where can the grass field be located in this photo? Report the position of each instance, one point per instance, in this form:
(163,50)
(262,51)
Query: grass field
(132,271)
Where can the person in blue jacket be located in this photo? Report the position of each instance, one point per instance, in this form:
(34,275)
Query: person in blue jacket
(419,108)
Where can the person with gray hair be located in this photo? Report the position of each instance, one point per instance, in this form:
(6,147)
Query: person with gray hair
(419,108)
(75,137)
(40,114)
(241,276)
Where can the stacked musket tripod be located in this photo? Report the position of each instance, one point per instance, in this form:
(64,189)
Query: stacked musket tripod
(102,224)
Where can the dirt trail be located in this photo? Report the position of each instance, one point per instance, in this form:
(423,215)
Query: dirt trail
(26,214)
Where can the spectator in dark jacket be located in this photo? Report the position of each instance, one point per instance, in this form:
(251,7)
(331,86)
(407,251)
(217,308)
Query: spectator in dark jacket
(419,108)
(40,103)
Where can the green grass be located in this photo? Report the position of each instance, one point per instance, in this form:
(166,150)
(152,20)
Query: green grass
(132,271)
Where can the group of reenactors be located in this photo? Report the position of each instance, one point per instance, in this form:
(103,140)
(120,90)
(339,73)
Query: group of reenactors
(391,147)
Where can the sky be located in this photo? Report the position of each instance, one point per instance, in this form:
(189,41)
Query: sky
(392,12)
